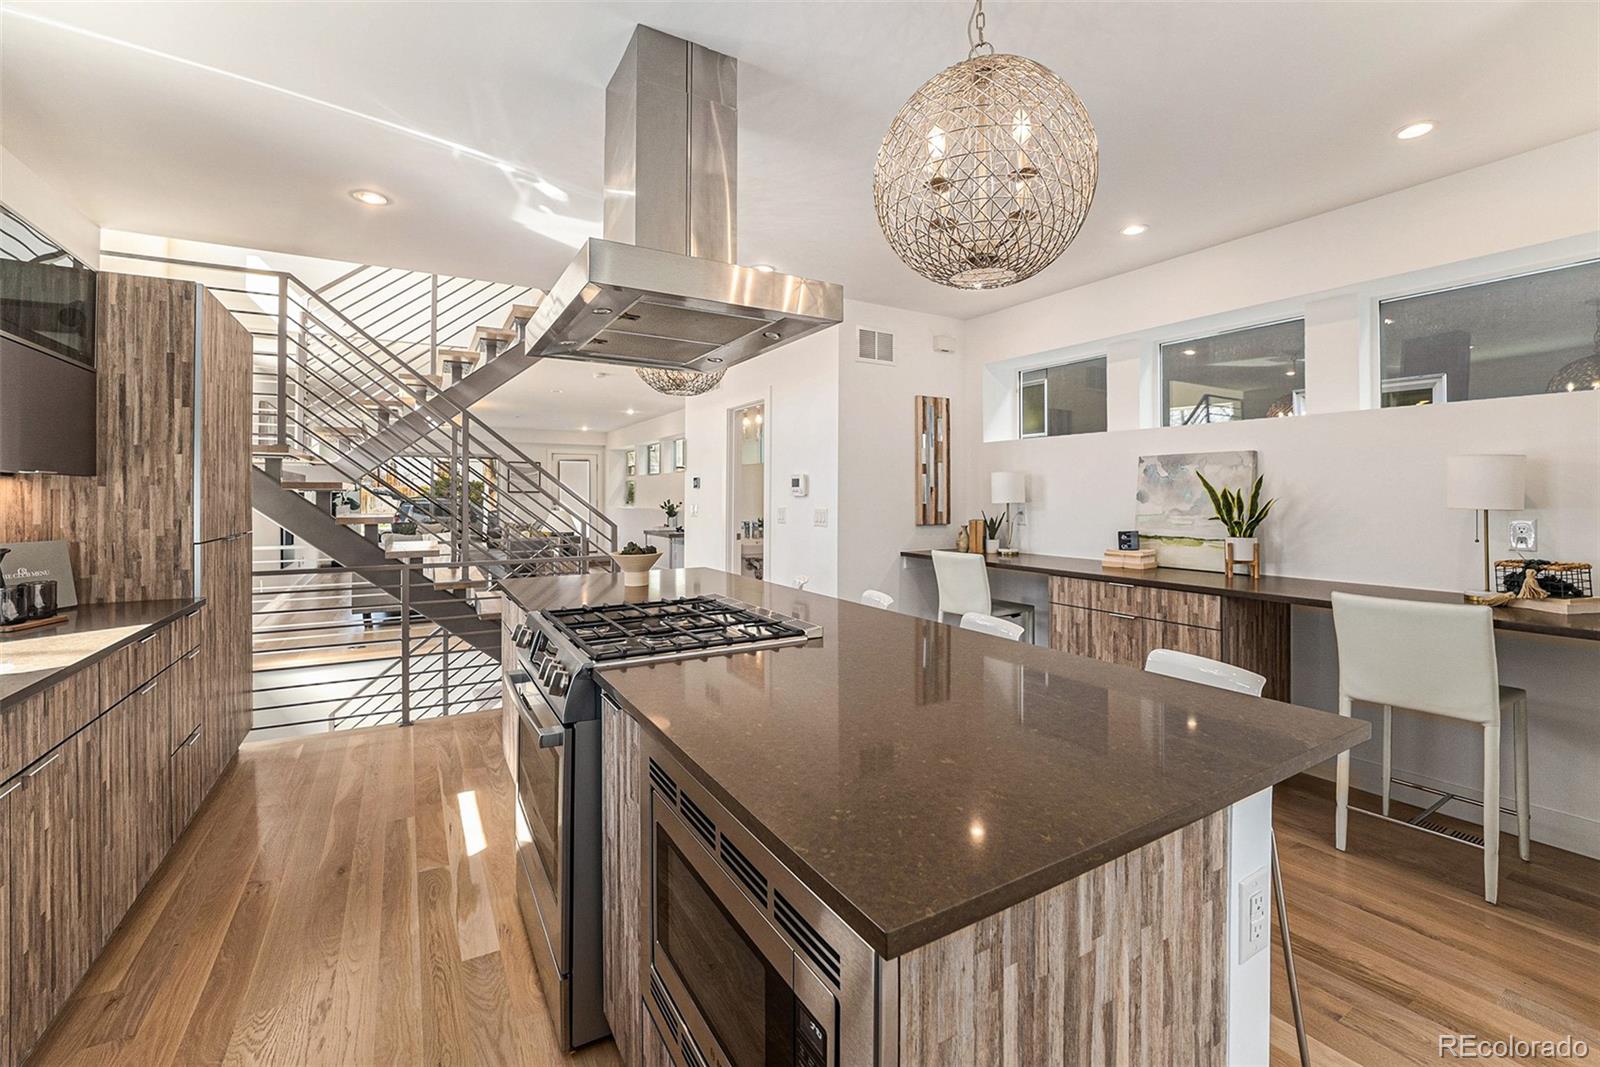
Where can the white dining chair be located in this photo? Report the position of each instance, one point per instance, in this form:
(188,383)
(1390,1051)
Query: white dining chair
(1438,659)
(963,579)
(876,599)
(1219,675)
(988,624)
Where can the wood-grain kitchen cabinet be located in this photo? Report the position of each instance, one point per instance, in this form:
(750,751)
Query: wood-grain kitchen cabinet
(185,766)
(1122,623)
(510,618)
(622,793)
(224,659)
(224,355)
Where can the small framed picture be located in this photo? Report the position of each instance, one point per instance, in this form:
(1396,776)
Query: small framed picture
(652,458)
(631,458)
(1127,540)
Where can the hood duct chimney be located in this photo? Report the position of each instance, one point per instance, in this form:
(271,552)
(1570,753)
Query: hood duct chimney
(662,290)
(672,148)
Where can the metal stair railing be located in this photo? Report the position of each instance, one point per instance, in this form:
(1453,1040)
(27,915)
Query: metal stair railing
(325,384)
(1209,405)
(417,313)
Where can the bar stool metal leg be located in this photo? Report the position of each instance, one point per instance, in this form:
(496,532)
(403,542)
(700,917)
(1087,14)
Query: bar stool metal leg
(1288,957)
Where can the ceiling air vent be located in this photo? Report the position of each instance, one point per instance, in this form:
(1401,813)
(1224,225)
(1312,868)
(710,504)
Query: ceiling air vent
(874,346)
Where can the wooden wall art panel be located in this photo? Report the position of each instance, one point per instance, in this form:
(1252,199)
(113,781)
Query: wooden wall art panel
(933,460)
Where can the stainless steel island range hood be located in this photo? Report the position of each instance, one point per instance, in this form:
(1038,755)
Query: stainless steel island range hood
(661,289)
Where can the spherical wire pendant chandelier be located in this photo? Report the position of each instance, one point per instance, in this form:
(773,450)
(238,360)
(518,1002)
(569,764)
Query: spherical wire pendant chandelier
(987,172)
(680,382)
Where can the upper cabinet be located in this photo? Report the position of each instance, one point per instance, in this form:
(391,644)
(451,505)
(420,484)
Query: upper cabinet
(223,360)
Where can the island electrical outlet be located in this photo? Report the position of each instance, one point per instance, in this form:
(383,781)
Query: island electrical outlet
(1253,915)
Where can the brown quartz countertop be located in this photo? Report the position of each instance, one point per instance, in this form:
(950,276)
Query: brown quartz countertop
(919,777)
(1303,592)
(34,660)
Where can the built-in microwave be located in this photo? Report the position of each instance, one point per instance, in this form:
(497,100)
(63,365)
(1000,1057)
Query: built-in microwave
(47,354)
(744,966)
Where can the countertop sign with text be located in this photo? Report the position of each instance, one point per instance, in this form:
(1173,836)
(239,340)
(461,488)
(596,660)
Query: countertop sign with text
(32,561)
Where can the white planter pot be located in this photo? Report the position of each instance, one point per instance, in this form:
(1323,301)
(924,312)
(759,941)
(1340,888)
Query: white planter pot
(1244,548)
(636,566)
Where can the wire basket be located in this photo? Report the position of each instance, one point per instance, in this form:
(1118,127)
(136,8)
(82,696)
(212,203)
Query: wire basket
(1560,581)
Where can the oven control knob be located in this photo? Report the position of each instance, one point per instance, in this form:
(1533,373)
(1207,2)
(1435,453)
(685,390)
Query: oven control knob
(522,636)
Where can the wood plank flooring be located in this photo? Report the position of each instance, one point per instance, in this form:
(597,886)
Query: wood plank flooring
(331,905)
(1395,945)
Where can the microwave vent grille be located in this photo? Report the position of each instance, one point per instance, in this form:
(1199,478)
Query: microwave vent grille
(813,944)
(699,820)
(663,781)
(664,1004)
(745,871)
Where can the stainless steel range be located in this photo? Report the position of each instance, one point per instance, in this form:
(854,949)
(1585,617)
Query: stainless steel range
(558,767)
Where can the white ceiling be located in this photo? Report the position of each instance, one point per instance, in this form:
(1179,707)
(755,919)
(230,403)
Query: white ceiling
(557,394)
(1215,120)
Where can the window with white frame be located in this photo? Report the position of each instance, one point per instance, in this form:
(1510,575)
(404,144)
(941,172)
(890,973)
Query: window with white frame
(1067,398)
(1253,373)
(1533,333)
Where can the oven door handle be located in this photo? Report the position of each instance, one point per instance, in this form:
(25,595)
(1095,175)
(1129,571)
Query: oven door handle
(549,736)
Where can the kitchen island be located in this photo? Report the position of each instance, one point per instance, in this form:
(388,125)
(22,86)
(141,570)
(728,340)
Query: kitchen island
(1039,853)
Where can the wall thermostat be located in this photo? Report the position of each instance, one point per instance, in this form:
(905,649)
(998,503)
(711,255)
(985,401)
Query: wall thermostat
(799,484)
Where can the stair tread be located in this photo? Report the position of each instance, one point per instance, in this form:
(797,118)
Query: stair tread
(459,355)
(364,520)
(406,549)
(492,333)
(314,486)
(282,452)
(520,313)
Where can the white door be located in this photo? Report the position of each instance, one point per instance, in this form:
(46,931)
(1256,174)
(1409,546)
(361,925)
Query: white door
(577,474)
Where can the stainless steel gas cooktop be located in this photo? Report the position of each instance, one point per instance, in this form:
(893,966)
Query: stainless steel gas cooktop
(687,626)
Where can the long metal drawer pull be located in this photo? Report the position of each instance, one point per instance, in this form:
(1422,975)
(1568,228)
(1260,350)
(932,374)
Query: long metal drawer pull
(1120,585)
(42,764)
(12,788)
(149,637)
(151,684)
(192,653)
(1121,615)
(195,736)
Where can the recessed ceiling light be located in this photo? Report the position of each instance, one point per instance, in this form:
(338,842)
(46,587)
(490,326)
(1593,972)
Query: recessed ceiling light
(584,429)
(1388,322)
(1414,130)
(764,268)
(1188,351)
(630,411)
(370,197)
(1134,229)
(1289,372)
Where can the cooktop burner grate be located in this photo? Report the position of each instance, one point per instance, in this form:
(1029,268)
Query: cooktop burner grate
(667,627)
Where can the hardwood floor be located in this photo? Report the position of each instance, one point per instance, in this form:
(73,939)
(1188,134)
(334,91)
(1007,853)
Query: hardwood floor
(1394,944)
(331,905)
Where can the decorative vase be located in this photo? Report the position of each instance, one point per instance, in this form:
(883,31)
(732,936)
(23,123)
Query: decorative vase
(636,566)
(962,541)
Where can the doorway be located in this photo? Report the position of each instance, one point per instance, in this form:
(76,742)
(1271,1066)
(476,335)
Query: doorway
(747,478)
(576,473)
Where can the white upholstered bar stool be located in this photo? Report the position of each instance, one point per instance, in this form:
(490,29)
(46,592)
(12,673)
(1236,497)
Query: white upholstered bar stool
(877,599)
(1438,659)
(988,624)
(963,579)
(1219,675)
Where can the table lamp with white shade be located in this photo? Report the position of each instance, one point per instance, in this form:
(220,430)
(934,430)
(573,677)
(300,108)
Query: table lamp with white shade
(1008,487)
(1485,483)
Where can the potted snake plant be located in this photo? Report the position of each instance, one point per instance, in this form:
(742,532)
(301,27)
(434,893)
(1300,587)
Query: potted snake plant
(1239,519)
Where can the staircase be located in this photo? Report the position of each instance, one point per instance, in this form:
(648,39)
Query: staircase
(362,391)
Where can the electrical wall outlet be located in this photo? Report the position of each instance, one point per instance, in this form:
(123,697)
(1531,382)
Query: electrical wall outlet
(1253,915)
(780,516)
(820,517)
(1524,535)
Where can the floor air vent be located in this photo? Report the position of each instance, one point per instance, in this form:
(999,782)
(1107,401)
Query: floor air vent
(1451,831)
(700,821)
(745,871)
(663,781)
(824,955)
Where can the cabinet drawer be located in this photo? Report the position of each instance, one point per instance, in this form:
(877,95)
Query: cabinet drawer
(1079,592)
(1195,640)
(151,654)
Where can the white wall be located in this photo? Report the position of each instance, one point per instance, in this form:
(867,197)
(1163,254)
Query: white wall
(1361,489)
(799,384)
(877,448)
(63,221)
(652,489)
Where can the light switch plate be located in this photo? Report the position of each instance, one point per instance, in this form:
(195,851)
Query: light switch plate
(1253,915)
(1524,534)
(781,516)
(820,517)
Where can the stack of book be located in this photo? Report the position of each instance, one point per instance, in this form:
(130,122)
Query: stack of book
(1130,559)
